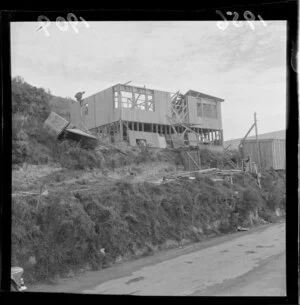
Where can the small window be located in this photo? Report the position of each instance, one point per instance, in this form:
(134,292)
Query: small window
(199,110)
(207,110)
(86,110)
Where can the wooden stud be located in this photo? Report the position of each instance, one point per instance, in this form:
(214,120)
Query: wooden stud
(143,127)
(121,130)
(119,97)
(132,99)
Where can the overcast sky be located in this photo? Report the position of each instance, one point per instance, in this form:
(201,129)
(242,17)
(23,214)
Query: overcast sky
(245,67)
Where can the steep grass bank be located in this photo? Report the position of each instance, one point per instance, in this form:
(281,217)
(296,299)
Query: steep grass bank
(67,230)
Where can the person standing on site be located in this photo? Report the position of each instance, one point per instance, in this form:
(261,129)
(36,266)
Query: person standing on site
(78,97)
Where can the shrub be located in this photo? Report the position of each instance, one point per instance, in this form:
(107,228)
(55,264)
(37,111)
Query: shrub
(72,155)
(250,199)
(267,215)
(275,198)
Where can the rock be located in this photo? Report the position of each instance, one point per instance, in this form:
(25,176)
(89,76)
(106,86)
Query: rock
(70,274)
(119,259)
(45,193)
(170,243)
(32,260)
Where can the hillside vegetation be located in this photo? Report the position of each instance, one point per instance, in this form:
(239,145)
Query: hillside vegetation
(68,202)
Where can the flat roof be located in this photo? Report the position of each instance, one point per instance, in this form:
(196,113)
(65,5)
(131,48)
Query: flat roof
(200,94)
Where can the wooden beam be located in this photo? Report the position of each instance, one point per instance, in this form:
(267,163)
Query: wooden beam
(257,143)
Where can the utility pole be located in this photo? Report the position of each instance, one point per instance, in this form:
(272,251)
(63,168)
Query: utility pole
(257,143)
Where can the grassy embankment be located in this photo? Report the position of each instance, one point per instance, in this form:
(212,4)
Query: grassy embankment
(65,230)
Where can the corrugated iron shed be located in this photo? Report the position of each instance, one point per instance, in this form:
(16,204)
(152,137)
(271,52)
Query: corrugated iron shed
(279,134)
(272,152)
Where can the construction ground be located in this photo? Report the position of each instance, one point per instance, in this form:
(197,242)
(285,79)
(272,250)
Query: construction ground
(82,209)
(139,202)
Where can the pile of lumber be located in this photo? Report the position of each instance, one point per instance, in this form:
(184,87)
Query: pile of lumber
(214,173)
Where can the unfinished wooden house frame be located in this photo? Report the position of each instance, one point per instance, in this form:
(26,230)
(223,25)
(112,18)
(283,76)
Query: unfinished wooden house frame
(124,112)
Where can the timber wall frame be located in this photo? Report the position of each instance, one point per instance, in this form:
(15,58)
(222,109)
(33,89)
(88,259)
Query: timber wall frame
(117,131)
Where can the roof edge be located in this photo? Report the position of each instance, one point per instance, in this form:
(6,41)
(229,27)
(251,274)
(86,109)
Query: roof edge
(200,94)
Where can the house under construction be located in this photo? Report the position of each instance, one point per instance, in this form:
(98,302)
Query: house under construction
(158,118)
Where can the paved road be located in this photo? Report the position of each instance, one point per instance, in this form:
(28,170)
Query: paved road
(245,263)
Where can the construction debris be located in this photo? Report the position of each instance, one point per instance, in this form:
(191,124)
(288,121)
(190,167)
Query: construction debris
(214,174)
(62,129)
(56,124)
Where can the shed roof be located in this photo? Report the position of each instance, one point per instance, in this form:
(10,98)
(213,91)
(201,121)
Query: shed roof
(200,94)
(81,133)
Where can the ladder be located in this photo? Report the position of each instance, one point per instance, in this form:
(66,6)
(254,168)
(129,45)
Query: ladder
(227,158)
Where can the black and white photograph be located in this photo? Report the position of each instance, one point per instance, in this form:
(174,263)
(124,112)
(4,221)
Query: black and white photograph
(149,157)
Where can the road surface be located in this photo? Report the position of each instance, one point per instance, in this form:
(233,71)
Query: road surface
(240,264)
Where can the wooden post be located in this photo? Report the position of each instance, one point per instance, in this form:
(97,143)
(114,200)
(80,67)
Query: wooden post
(121,130)
(221,136)
(119,97)
(143,127)
(151,127)
(257,143)
(112,132)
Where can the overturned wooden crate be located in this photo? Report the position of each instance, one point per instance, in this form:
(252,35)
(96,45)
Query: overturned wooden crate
(56,124)
(62,129)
